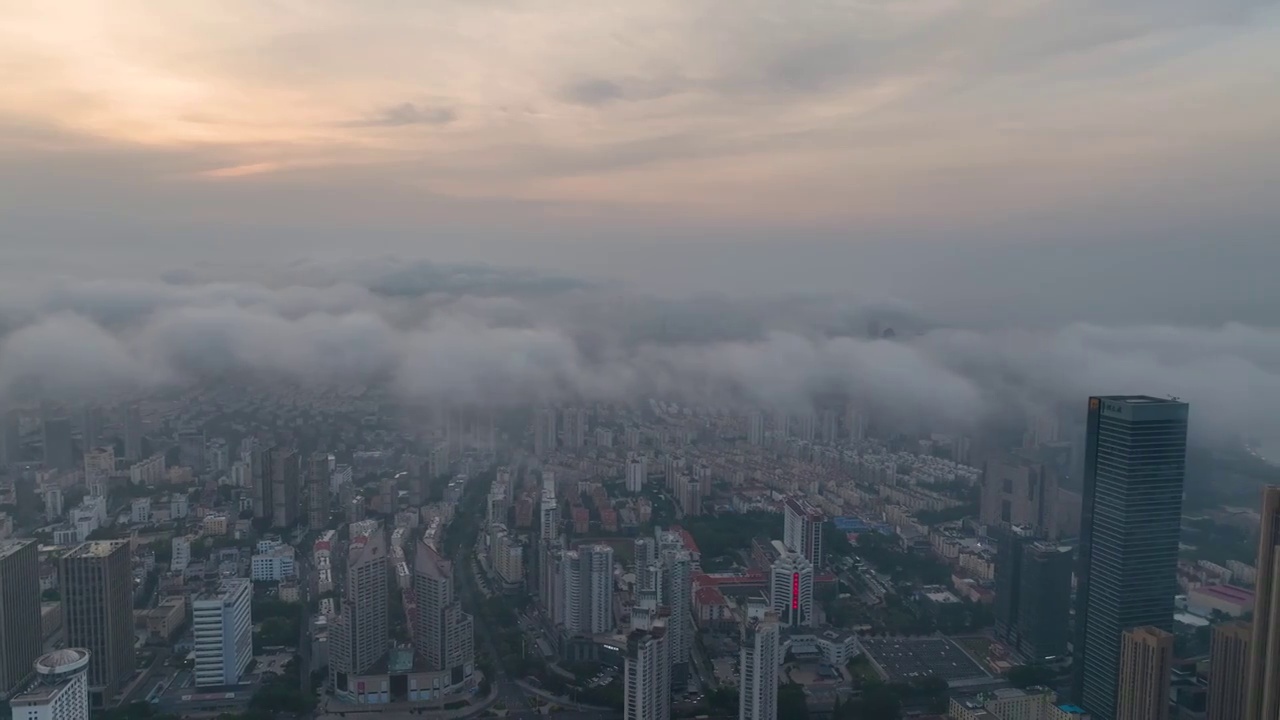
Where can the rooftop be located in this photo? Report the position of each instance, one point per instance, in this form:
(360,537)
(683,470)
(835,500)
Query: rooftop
(95,549)
(9,547)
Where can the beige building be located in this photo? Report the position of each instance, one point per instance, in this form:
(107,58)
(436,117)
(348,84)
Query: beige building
(1228,671)
(97,604)
(166,618)
(1146,667)
(1264,664)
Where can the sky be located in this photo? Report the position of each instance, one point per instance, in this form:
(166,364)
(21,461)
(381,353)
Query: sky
(534,200)
(952,154)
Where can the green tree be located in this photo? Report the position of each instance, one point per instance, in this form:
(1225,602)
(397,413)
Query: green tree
(792,704)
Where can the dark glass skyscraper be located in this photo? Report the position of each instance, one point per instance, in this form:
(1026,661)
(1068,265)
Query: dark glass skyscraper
(1135,462)
(1033,594)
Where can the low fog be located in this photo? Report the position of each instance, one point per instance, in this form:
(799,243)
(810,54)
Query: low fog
(482,335)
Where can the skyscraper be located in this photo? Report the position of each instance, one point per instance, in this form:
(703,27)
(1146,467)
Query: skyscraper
(223,630)
(1033,594)
(10,438)
(760,658)
(791,588)
(677,594)
(318,491)
(802,530)
(1264,663)
(282,469)
(443,634)
(755,428)
(359,636)
(1135,460)
(191,446)
(132,421)
(58,451)
(1146,669)
(1228,671)
(1019,491)
(97,611)
(20,639)
(646,675)
(544,431)
(90,426)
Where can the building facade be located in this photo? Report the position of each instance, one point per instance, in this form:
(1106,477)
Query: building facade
(62,689)
(223,630)
(1264,664)
(1135,462)
(1146,671)
(1228,671)
(20,637)
(791,589)
(802,530)
(97,603)
(759,659)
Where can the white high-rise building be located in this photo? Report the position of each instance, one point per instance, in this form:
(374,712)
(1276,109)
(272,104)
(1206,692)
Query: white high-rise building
(647,675)
(61,691)
(791,587)
(443,634)
(359,636)
(758,664)
(755,428)
(548,516)
(586,594)
(223,631)
(802,530)
(637,472)
(677,593)
(53,502)
(181,554)
(99,463)
(340,476)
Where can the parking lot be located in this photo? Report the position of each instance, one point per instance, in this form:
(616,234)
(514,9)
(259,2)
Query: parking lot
(905,659)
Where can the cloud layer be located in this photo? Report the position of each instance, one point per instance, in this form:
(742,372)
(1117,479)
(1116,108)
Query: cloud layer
(471,335)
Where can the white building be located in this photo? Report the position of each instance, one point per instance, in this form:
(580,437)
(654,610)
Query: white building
(241,474)
(677,592)
(181,551)
(637,472)
(802,530)
(148,472)
(61,691)
(647,675)
(140,511)
(52,502)
(340,476)
(759,659)
(587,592)
(791,588)
(223,631)
(99,463)
(548,516)
(274,565)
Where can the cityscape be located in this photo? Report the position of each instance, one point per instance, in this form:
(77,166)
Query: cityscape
(221,553)
(639,360)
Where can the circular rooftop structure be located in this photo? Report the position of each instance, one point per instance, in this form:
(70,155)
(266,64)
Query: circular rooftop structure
(61,662)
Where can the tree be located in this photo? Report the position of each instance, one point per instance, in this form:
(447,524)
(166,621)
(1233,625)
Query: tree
(792,704)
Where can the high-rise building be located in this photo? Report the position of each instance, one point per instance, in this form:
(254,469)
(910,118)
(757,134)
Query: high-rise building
(1146,671)
(10,438)
(677,594)
(59,453)
(760,658)
(646,675)
(131,419)
(1019,491)
(62,691)
(282,469)
(191,447)
(855,424)
(97,610)
(1135,461)
(544,431)
(20,638)
(1264,663)
(318,490)
(358,639)
(791,587)
(586,577)
(575,428)
(444,635)
(90,426)
(755,428)
(1228,671)
(637,472)
(99,464)
(1033,594)
(223,629)
(802,530)
(549,516)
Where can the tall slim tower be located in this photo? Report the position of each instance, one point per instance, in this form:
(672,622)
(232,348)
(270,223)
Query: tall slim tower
(758,665)
(20,640)
(58,452)
(646,675)
(802,530)
(1146,669)
(1264,664)
(360,634)
(318,491)
(1228,671)
(97,607)
(132,421)
(282,469)
(791,588)
(1135,462)
(443,633)
(677,594)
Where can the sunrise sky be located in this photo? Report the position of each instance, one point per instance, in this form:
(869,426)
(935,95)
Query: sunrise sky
(493,129)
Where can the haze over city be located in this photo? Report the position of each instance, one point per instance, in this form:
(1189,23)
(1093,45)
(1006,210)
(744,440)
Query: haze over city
(855,359)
